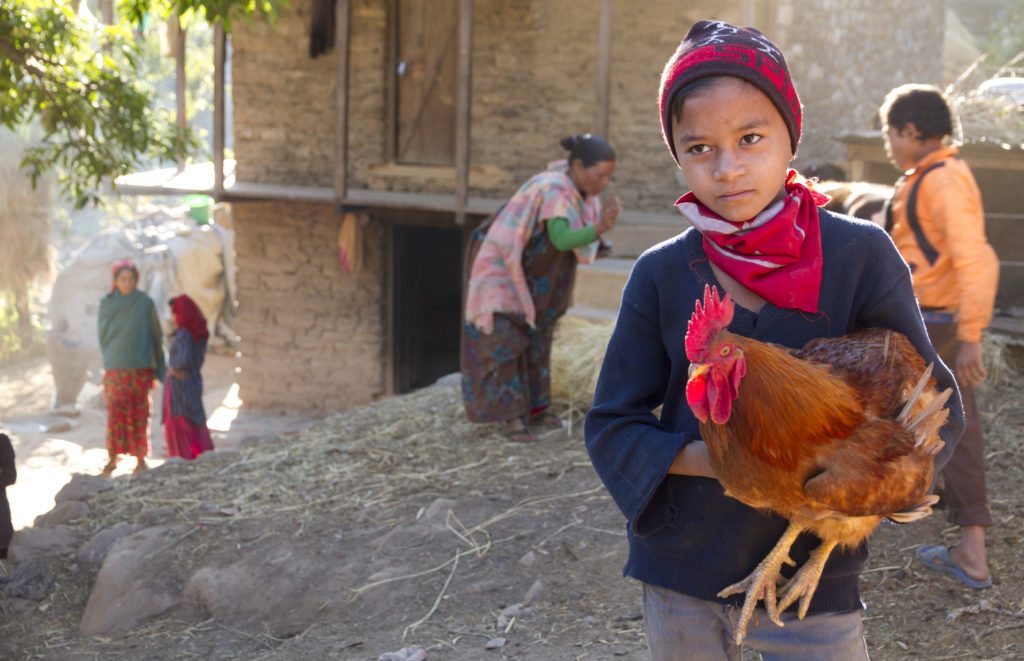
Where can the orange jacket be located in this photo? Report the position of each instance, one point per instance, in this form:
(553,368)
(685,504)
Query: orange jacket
(965,276)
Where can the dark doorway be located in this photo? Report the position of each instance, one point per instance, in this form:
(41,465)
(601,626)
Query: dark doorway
(427,305)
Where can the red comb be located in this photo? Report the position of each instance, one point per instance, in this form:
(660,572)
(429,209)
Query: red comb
(707,321)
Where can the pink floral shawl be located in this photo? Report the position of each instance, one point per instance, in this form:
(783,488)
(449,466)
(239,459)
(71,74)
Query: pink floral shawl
(497,282)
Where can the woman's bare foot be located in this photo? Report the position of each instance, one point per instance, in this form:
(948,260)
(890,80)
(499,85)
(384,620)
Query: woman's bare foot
(548,421)
(109,468)
(140,466)
(517,431)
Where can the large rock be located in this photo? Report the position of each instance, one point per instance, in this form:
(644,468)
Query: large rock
(81,487)
(29,543)
(66,512)
(279,587)
(92,554)
(131,587)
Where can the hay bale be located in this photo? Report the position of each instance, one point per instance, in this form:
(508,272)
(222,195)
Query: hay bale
(576,357)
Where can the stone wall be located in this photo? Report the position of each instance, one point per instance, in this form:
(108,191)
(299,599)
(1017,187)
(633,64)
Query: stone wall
(846,54)
(312,337)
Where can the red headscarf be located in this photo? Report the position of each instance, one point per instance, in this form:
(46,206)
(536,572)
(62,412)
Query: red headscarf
(187,315)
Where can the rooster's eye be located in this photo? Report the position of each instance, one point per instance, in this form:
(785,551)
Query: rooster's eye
(724,351)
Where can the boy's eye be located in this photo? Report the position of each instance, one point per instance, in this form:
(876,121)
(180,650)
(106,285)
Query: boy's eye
(750,139)
(698,149)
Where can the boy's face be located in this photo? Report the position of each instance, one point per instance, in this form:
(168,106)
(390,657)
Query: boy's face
(902,146)
(733,147)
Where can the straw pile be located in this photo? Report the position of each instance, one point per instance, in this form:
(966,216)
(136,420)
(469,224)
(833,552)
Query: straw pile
(576,358)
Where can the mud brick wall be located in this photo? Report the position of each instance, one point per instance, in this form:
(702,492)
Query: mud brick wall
(312,337)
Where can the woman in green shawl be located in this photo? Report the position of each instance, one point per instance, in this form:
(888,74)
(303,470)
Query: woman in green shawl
(133,356)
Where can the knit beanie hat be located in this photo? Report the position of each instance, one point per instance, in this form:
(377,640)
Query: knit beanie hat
(716,48)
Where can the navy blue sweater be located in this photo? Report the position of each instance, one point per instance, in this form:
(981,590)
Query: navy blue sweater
(684,533)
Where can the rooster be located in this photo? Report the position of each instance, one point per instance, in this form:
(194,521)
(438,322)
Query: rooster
(833,437)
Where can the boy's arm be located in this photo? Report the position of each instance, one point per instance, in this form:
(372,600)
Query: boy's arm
(632,451)
(895,307)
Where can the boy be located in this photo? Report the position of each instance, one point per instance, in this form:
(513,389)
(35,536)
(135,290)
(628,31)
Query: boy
(937,223)
(731,119)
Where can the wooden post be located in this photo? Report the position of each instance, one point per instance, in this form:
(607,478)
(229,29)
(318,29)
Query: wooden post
(604,68)
(179,80)
(463,94)
(219,108)
(107,11)
(341,48)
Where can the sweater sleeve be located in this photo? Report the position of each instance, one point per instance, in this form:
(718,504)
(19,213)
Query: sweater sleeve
(954,202)
(564,238)
(895,307)
(8,470)
(631,449)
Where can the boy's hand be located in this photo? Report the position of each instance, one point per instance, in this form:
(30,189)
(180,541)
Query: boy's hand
(693,460)
(970,365)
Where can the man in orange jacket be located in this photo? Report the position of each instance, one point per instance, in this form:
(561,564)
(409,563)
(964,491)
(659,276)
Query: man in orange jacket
(938,225)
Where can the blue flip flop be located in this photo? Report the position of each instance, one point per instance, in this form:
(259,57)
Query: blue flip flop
(937,559)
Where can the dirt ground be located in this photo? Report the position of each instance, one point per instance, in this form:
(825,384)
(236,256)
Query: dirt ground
(51,448)
(400,523)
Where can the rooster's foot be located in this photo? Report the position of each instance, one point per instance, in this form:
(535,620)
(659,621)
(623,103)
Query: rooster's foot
(803,585)
(761,584)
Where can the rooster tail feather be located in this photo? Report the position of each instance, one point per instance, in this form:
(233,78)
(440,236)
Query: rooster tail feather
(918,389)
(925,425)
(919,511)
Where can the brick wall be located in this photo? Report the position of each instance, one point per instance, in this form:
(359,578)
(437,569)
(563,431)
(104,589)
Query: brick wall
(311,334)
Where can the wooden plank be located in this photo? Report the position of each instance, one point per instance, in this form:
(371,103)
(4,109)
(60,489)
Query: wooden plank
(391,76)
(604,68)
(427,81)
(463,99)
(179,82)
(219,108)
(341,53)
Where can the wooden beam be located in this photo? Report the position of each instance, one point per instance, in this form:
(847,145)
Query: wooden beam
(341,52)
(604,68)
(463,97)
(219,108)
(179,81)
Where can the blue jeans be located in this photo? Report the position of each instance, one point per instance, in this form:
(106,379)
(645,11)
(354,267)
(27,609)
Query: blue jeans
(681,628)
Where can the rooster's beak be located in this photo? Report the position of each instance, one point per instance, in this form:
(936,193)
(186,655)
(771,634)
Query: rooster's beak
(696,369)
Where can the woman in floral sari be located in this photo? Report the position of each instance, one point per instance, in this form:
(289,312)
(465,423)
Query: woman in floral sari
(133,356)
(522,267)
